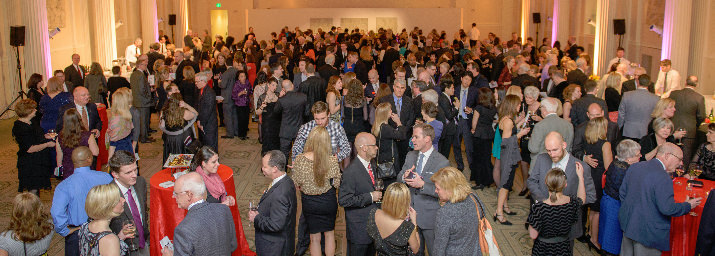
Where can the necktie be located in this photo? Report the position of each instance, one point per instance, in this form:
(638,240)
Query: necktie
(137,218)
(619,61)
(85,119)
(463,103)
(269,187)
(418,169)
(79,72)
(665,82)
(399,106)
(369,171)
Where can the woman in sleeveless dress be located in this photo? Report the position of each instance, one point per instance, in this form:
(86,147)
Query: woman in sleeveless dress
(177,123)
(510,157)
(355,110)
(393,227)
(334,98)
(600,149)
(271,120)
(104,202)
(73,135)
(120,125)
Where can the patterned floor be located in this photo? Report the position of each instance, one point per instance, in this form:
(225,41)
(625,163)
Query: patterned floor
(244,158)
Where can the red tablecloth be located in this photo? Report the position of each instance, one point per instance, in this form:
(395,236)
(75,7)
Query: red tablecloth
(103,150)
(684,229)
(165,215)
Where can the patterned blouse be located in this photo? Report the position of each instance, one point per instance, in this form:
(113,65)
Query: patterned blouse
(706,159)
(303,175)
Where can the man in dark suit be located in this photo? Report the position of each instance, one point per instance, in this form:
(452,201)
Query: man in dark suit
(153,55)
(631,85)
(706,232)
(358,195)
(647,203)
(314,89)
(478,80)
(275,57)
(184,60)
(294,107)
(342,54)
(188,39)
(559,84)
(523,78)
(207,120)
(275,218)
(402,106)
(466,100)
(132,187)
(358,67)
(392,54)
(141,95)
(419,166)
(450,110)
(207,229)
(373,84)
(579,139)
(74,73)
(580,106)
(81,100)
(327,70)
(691,112)
(577,76)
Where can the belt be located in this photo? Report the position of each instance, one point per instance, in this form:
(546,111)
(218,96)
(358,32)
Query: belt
(552,240)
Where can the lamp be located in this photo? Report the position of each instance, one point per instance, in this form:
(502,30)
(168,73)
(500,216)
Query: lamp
(118,24)
(591,22)
(54,32)
(657,29)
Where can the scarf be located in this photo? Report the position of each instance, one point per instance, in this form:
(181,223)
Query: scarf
(214,184)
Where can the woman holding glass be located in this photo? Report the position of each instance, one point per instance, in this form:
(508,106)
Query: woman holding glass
(73,135)
(205,163)
(663,132)
(393,227)
(103,203)
(34,165)
(705,155)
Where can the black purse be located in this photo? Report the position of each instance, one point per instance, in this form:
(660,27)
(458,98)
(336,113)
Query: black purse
(386,170)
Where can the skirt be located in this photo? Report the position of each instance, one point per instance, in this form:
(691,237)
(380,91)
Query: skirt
(123,144)
(320,211)
(609,228)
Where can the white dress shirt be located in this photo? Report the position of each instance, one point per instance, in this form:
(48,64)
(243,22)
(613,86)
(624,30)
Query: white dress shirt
(130,53)
(125,192)
(562,164)
(674,83)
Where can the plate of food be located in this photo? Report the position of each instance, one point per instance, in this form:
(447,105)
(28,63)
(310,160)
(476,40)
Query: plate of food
(178,161)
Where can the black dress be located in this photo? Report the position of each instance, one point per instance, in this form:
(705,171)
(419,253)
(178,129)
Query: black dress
(596,150)
(270,128)
(33,169)
(554,221)
(481,167)
(175,144)
(524,142)
(394,244)
(189,93)
(353,122)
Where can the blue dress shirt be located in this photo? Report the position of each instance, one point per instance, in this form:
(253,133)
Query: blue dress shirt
(70,195)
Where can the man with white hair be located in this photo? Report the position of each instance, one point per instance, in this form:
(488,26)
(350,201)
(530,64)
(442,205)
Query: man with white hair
(551,122)
(133,52)
(207,229)
(328,70)
(523,78)
(578,75)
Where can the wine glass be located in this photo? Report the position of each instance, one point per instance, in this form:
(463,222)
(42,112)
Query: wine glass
(680,141)
(696,170)
(131,230)
(52,133)
(680,170)
(252,206)
(379,186)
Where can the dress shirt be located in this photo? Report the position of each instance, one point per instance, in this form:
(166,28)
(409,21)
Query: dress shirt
(124,191)
(130,53)
(276,180)
(195,203)
(70,195)
(464,92)
(398,104)
(618,60)
(661,163)
(76,67)
(562,164)
(424,160)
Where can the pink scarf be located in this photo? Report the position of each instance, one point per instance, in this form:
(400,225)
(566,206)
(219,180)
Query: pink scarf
(214,184)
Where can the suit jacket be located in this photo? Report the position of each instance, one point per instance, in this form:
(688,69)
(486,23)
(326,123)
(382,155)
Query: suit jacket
(580,107)
(450,113)
(521,80)
(188,41)
(141,93)
(407,114)
(706,232)
(207,229)
(691,110)
(207,110)
(152,57)
(425,200)
(480,81)
(550,123)
(314,89)
(228,79)
(391,55)
(275,222)
(628,85)
(92,116)
(634,112)
(293,106)
(72,76)
(579,138)
(180,69)
(537,177)
(354,196)
(360,70)
(117,223)
(647,204)
(326,71)
(576,77)
(472,98)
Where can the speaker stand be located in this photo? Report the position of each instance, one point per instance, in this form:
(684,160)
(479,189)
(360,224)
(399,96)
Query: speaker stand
(21,93)
(537,35)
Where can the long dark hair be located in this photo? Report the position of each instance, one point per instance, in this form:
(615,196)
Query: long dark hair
(486,98)
(202,155)
(72,128)
(172,113)
(34,80)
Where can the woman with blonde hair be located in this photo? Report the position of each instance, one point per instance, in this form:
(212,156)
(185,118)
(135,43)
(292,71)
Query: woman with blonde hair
(334,98)
(571,94)
(96,84)
(103,203)
(30,229)
(317,175)
(662,133)
(387,135)
(120,128)
(665,108)
(383,91)
(393,227)
(612,94)
(188,86)
(599,148)
(457,225)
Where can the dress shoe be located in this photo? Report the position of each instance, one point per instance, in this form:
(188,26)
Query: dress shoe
(479,187)
(147,140)
(227,137)
(505,222)
(523,192)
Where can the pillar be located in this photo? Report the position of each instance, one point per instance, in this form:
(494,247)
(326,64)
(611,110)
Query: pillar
(150,24)
(698,38)
(560,22)
(605,41)
(105,34)
(676,34)
(182,22)
(37,39)
(525,19)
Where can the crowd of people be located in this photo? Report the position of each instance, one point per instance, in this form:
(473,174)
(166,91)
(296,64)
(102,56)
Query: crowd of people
(366,121)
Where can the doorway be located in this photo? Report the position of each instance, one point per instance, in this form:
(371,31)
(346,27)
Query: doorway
(219,23)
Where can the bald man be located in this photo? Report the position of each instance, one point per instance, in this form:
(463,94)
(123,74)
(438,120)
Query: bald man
(67,210)
(89,113)
(579,139)
(556,156)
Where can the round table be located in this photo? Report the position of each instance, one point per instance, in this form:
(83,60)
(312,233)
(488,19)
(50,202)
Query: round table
(165,214)
(684,229)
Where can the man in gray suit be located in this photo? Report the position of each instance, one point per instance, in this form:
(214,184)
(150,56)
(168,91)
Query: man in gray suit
(419,167)
(691,112)
(208,228)
(635,109)
(123,167)
(141,95)
(551,122)
(557,156)
(230,117)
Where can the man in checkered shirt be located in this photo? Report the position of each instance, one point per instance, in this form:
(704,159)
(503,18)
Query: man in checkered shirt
(341,146)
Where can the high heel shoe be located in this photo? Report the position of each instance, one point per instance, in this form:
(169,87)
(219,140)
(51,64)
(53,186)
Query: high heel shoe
(505,222)
(591,245)
(508,212)
(524,192)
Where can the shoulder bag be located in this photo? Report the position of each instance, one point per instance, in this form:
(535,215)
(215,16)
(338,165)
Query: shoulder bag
(386,170)
(487,242)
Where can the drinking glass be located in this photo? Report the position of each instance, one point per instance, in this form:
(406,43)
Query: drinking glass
(696,170)
(52,133)
(379,187)
(680,141)
(129,231)
(252,206)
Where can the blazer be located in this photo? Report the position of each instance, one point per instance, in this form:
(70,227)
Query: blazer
(326,71)
(550,123)
(523,79)
(189,93)
(92,116)
(354,196)
(152,57)
(72,76)
(141,93)
(579,138)
(293,106)
(450,112)
(360,70)
(228,79)
(706,233)
(647,204)
(207,229)
(180,69)
(425,200)
(117,223)
(576,77)
(407,114)
(314,89)
(691,110)
(479,81)
(472,98)
(634,112)
(275,222)
(207,110)
(580,107)
(537,178)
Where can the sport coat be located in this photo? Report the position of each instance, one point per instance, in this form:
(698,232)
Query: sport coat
(275,222)
(141,93)
(407,114)
(92,116)
(117,223)
(549,124)
(153,56)
(479,81)
(691,110)
(207,229)
(647,204)
(450,113)
(576,77)
(294,107)
(634,112)
(72,76)
(314,89)
(326,71)
(228,79)
(579,138)
(354,196)
(425,200)
(472,98)
(208,115)
(580,107)
(541,165)
(180,69)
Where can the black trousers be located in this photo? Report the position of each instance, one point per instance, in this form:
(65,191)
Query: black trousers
(360,249)
(243,119)
(72,244)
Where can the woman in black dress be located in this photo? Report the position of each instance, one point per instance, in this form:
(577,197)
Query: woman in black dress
(188,87)
(35,92)
(705,155)
(354,110)
(393,227)
(34,165)
(532,109)
(483,136)
(600,149)
(176,123)
(271,120)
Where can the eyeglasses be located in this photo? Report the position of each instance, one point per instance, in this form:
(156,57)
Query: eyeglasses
(679,158)
(177,194)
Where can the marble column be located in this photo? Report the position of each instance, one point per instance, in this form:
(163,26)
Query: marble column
(182,22)
(605,41)
(698,38)
(525,19)
(560,22)
(37,39)
(150,24)
(104,46)
(676,34)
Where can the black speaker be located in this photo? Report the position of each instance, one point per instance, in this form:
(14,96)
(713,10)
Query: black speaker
(172,19)
(536,17)
(619,27)
(17,36)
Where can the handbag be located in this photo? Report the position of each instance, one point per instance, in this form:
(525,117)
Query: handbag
(487,242)
(386,170)
(192,145)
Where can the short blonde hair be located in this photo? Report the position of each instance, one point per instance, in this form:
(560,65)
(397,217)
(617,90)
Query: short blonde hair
(452,180)
(101,200)
(596,130)
(661,106)
(396,200)
(54,84)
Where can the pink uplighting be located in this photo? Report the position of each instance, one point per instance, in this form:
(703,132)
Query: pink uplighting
(555,22)
(667,30)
